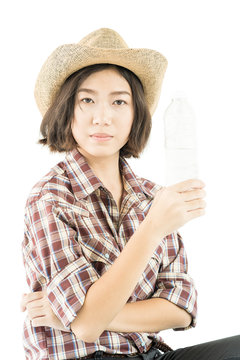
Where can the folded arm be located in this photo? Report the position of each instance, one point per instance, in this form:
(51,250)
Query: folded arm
(78,296)
(151,315)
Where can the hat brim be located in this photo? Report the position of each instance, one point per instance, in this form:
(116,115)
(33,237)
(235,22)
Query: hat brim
(149,66)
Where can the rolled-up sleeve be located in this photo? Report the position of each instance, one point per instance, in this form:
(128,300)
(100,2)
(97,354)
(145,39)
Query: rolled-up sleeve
(53,257)
(173,281)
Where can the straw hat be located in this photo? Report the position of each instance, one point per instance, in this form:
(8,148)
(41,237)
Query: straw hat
(101,46)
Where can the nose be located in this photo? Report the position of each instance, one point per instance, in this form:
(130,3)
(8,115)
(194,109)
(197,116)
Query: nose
(102,115)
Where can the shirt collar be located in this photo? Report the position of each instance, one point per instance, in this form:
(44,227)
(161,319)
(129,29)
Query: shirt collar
(84,182)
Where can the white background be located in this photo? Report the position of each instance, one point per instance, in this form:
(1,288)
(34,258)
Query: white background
(201,42)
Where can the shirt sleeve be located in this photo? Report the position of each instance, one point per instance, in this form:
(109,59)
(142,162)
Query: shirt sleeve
(173,282)
(53,257)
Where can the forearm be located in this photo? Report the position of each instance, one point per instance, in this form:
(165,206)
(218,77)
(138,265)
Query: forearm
(108,295)
(152,315)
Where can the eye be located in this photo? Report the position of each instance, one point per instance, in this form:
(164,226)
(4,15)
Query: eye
(86,100)
(120,101)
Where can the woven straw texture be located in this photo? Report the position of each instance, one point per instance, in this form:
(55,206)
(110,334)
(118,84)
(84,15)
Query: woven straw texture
(101,46)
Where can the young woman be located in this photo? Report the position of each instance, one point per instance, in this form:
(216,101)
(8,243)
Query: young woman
(104,260)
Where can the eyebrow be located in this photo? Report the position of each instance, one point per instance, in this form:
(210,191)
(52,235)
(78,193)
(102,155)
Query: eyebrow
(112,93)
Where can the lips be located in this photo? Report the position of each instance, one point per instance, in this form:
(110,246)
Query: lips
(101,135)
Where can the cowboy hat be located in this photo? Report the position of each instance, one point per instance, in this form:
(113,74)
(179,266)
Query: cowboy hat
(100,46)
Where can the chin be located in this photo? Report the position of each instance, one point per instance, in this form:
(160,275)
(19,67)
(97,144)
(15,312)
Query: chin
(97,152)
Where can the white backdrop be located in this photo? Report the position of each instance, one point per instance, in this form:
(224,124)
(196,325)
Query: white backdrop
(201,42)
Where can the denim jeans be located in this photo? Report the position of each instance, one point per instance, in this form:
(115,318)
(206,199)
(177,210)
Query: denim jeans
(223,349)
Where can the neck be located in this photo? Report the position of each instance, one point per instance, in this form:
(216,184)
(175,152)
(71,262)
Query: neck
(106,169)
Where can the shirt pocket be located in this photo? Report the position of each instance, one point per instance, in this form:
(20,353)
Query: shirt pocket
(98,248)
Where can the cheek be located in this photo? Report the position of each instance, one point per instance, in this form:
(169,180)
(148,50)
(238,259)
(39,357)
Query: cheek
(130,124)
(77,130)
(73,128)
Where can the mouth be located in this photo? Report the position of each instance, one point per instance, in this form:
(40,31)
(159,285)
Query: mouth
(98,137)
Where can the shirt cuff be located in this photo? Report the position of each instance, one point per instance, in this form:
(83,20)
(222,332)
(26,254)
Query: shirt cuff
(184,296)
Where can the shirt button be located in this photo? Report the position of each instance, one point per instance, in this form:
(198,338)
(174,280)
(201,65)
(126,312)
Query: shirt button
(107,256)
(103,189)
(139,195)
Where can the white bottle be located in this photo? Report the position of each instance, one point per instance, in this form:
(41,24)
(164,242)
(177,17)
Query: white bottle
(180,141)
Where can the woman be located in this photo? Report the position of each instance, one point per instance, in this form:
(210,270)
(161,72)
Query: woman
(104,261)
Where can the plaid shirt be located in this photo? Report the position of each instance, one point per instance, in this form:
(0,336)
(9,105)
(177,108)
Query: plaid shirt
(73,233)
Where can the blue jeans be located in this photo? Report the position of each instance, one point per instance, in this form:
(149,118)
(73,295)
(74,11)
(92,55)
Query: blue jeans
(223,349)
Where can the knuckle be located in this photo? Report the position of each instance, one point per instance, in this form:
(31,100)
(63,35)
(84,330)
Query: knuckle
(199,193)
(199,203)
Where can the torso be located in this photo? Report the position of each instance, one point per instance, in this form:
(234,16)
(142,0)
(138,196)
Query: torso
(117,195)
(118,199)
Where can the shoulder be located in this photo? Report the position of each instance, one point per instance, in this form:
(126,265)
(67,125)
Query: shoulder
(53,187)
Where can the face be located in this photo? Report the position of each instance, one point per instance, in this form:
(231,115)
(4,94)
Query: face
(103,114)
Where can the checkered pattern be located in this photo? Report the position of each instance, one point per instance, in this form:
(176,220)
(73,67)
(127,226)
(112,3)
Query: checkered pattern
(73,233)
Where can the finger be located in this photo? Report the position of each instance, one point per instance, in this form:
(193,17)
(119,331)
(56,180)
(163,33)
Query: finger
(188,185)
(22,308)
(22,304)
(35,304)
(195,204)
(34,296)
(39,321)
(193,194)
(36,312)
(195,213)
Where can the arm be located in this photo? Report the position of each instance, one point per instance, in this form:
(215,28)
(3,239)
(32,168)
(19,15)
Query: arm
(105,297)
(152,315)
(53,255)
(108,295)
(85,322)
(174,302)
(105,306)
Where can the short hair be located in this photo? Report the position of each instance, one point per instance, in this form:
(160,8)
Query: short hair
(56,124)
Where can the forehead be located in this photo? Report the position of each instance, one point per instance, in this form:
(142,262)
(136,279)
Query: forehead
(106,77)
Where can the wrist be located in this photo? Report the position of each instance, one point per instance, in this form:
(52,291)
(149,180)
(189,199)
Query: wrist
(154,233)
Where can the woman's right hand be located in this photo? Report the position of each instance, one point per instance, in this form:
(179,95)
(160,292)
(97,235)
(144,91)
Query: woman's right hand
(175,205)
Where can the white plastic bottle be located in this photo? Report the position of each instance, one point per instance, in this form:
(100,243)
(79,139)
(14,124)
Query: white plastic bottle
(180,140)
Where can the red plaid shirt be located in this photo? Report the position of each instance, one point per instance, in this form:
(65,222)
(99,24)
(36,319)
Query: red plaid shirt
(73,233)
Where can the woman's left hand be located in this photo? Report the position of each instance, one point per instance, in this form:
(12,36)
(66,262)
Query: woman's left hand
(39,310)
